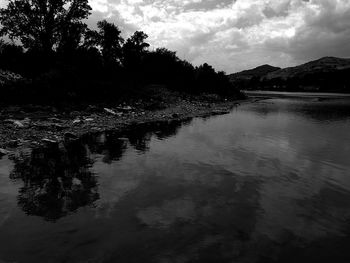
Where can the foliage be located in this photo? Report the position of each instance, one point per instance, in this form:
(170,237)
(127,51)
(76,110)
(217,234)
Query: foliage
(108,39)
(10,56)
(44,24)
(134,49)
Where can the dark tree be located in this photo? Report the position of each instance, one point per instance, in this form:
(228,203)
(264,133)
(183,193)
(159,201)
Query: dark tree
(42,24)
(11,56)
(205,77)
(108,39)
(70,38)
(56,181)
(133,50)
(137,42)
(162,66)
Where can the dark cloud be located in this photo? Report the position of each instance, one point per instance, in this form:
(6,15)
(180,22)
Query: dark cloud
(282,9)
(324,34)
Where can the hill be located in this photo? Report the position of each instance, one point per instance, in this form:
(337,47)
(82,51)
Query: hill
(325,74)
(323,65)
(253,73)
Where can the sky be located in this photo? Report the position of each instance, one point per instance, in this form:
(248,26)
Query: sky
(234,35)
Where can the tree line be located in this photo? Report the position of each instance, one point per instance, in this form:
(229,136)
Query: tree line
(63,59)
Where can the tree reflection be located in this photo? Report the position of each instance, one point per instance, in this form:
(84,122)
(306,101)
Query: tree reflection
(56,180)
(140,135)
(170,129)
(110,145)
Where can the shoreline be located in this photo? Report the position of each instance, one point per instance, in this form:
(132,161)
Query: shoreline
(39,128)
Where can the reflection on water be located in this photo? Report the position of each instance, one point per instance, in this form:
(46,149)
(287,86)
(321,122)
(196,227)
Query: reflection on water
(55,181)
(268,182)
(58,180)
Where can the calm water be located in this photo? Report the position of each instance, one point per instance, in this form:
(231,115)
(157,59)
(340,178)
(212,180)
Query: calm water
(269,182)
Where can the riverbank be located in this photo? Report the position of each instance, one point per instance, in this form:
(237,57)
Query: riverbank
(36,126)
(300,94)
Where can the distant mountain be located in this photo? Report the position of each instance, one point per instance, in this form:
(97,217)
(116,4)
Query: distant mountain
(325,74)
(253,73)
(323,65)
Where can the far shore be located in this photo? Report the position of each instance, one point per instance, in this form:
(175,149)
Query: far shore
(309,94)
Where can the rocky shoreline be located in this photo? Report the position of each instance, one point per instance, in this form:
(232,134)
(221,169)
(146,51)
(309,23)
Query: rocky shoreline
(38,126)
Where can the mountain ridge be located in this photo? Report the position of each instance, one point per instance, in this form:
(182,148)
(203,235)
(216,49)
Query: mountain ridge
(324,74)
(324,64)
(258,71)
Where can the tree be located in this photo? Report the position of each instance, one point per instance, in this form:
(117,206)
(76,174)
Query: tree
(11,56)
(160,67)
(41,24)
(108,39)
(133,49)
(137,42)
(70,38)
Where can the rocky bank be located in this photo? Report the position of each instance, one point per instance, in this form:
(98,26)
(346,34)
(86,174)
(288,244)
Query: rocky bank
(36,126)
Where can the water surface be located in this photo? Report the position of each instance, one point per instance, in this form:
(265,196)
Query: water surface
(268,182)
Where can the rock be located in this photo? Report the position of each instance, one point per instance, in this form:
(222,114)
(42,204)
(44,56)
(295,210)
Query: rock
(125,109)
(76,181)
(76,121)
(58,127)
(49,142)
(18,124)
(13,143)
(26,121)
(3,152)
(55,120)
(89,119)
(34,144)
(70,136)
(110,111)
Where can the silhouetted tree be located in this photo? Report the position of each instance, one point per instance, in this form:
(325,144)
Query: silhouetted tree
(71,37)
(162,66)
(64,61)
(158,67)
(133,50)
(11,56)
(42,24)
(205,77)
(108,39)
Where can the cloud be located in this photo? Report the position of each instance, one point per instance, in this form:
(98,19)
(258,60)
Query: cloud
(324,31)
(233,35)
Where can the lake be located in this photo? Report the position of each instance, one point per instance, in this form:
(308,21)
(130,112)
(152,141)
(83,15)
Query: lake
(268,182)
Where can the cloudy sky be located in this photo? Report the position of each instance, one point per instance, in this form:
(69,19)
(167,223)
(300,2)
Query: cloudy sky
(234,35)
